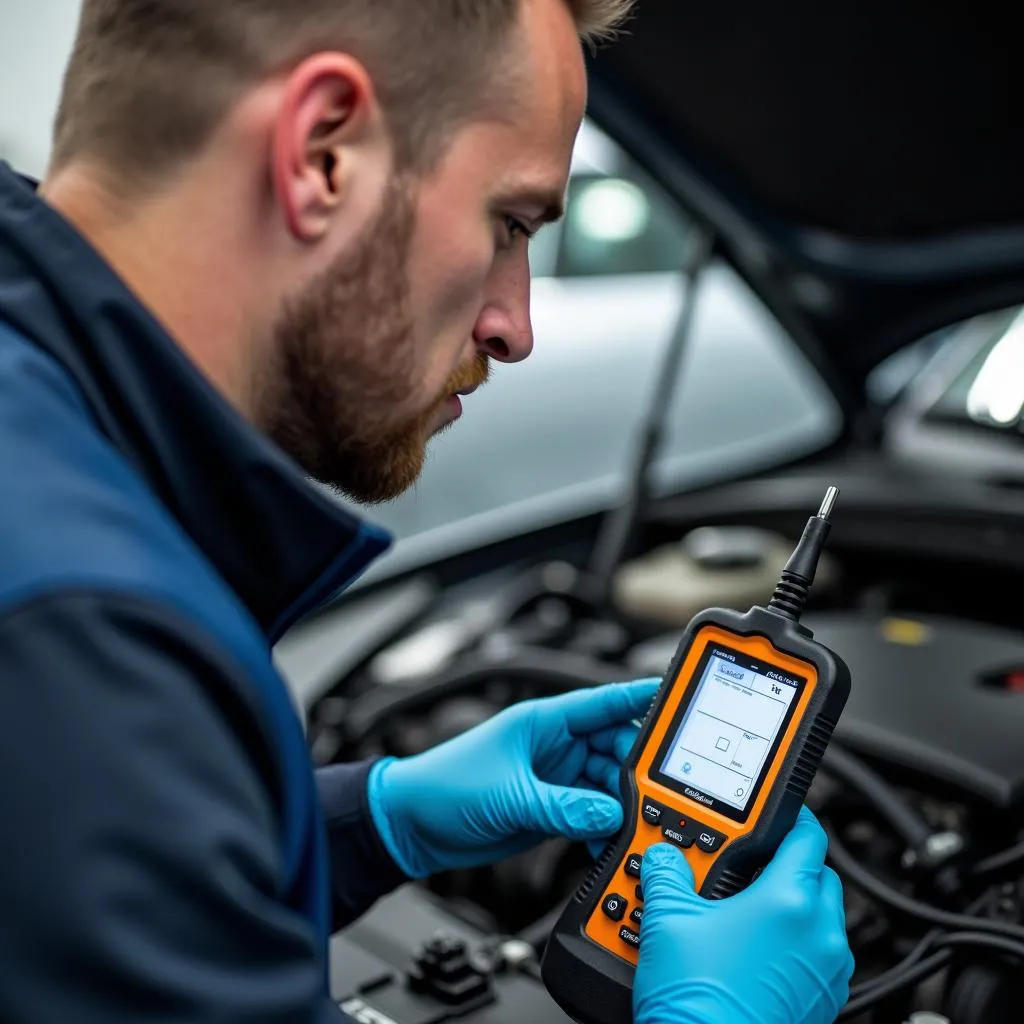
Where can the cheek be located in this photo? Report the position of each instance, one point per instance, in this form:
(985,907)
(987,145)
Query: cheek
(449,270)
(453,282)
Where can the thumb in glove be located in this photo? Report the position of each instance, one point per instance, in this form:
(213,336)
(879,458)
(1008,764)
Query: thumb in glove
(667,880)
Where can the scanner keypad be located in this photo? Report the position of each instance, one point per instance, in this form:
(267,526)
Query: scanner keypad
(615,906)
(659,822)
(683,832)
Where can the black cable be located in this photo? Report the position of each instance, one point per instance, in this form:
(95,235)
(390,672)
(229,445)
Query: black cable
(896,982)
(847,865)
(1011,857)
(862,997)
(982,941)
(910,972)
(910,826)
(795,582)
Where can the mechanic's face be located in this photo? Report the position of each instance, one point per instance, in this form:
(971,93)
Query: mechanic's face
(374,353)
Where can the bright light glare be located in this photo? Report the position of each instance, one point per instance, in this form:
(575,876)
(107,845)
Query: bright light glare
(612,210)
(997,394)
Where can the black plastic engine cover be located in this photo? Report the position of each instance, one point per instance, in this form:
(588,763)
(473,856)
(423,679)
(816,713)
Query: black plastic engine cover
(928,695)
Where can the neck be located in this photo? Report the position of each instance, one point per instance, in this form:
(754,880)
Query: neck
(182,256)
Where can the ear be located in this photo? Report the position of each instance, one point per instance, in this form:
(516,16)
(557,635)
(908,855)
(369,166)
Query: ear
(328,112)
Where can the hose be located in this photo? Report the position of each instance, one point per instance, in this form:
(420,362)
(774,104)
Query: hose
(848,865)
(910,972)
(999,862)
(909,825)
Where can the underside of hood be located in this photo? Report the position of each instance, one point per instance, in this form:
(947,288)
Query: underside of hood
(861,163)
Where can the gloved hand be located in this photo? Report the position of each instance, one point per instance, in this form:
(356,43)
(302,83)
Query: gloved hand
(776,953)
(533,771)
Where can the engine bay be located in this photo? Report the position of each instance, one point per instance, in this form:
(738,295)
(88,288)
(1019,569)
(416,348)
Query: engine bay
(922,790)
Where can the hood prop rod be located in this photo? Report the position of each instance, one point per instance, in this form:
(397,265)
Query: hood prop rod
(618,529)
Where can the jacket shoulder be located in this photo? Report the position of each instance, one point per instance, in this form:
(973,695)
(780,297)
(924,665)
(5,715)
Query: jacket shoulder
(77,514)
(78,519)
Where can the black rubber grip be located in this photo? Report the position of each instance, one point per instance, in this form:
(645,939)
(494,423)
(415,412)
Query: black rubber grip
(729,883)
(594,875)
(807,764)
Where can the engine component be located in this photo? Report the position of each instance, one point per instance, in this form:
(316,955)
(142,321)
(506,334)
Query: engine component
(921,702)
(728,567)
(408,961)
(982,994)
(444,971)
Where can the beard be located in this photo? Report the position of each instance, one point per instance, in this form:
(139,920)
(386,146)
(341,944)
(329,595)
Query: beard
(345,366)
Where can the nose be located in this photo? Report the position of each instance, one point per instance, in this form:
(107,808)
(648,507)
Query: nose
(503,331)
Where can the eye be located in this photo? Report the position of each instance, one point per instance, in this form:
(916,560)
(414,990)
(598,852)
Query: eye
(515,227)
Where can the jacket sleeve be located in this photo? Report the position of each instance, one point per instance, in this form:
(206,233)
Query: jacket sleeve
(362,868)
(141,877)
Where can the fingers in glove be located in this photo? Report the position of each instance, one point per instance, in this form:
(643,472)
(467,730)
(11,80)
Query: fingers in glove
(839,984)
(801,855)
(832,896)
(616,741)
(604,771)
(590,710)
(560,762)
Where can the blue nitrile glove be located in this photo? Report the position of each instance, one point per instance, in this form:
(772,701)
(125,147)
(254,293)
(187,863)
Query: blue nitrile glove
(775,953)
(533,771)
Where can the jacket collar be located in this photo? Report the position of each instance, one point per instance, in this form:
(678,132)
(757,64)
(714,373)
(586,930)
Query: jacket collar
(280,543)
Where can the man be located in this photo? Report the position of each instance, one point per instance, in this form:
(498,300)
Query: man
(278,239)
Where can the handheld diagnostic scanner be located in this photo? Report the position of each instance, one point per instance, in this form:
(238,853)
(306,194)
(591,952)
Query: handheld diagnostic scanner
(720,768)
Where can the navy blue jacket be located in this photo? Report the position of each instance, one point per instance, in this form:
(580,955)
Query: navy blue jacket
(167,852)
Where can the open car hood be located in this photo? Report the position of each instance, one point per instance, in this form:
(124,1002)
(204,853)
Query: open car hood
(860,164)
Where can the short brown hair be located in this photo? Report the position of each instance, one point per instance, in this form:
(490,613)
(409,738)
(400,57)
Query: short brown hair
(149,80)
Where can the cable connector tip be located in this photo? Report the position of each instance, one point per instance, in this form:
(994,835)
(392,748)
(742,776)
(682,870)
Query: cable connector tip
(828,503)
(795,583)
